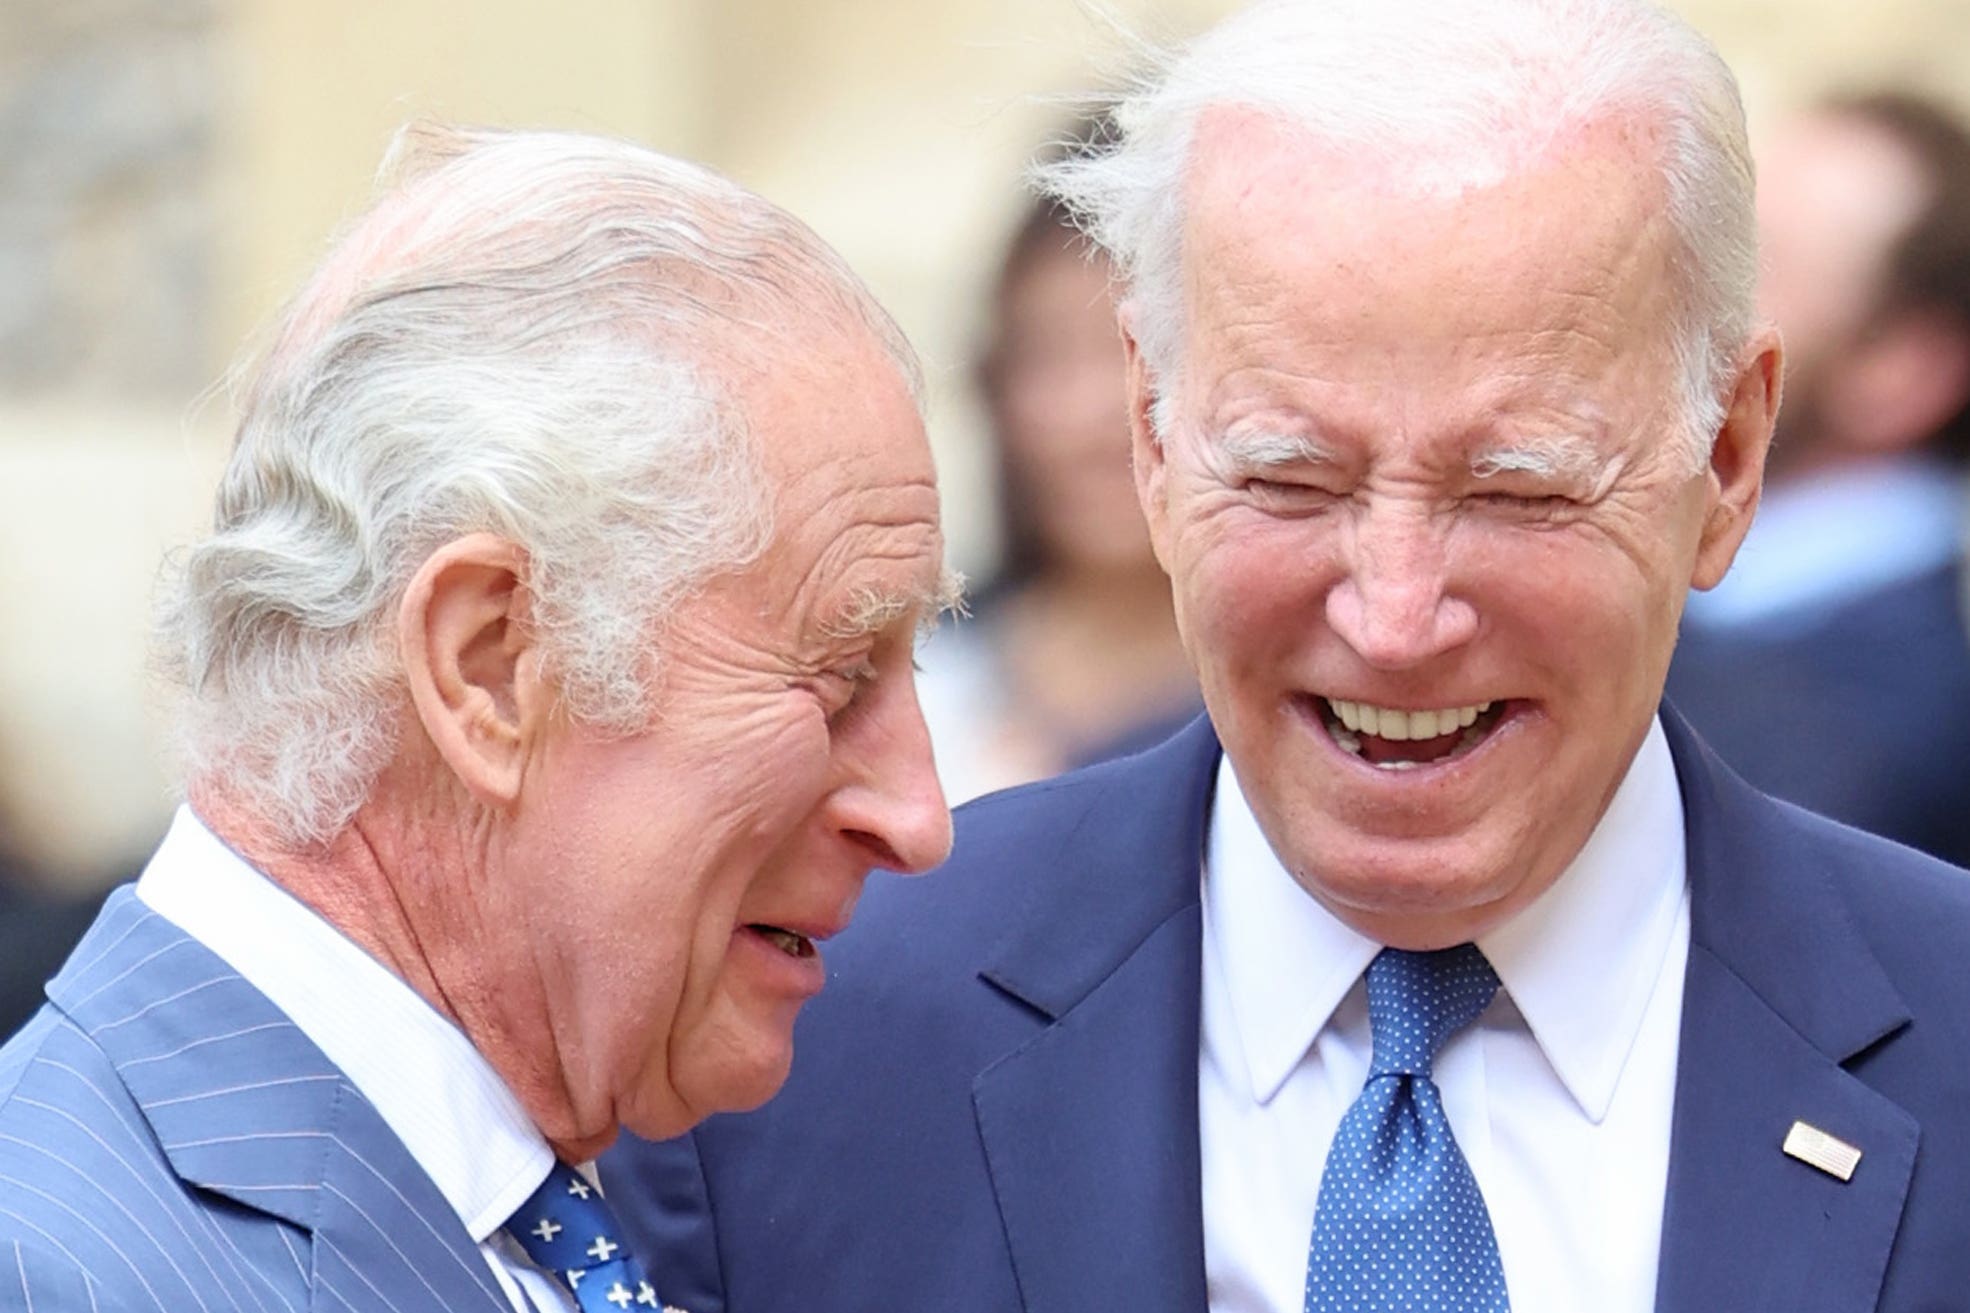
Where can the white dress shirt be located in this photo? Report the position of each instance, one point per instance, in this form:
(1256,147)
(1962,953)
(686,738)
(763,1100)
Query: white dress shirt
(454,1114)
(1559,1094)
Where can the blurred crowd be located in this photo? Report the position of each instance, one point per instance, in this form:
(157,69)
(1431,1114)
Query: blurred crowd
(1832,667)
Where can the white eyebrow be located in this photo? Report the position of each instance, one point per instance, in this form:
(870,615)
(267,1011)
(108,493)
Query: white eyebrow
(870,610)
(1271,451)
(1564,454)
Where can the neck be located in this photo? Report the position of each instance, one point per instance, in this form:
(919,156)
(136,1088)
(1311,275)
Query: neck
(400,882)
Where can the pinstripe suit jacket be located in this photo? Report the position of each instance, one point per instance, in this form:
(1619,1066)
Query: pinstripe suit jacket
(169,1140)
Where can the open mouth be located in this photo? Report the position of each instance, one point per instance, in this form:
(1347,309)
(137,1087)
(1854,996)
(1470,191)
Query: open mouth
(786,941)
(1396,739)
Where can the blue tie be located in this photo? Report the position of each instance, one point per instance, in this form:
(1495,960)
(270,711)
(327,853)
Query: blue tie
(566,1228)
(1400,1226)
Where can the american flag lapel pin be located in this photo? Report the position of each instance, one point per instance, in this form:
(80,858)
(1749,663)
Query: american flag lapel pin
(1814,1147)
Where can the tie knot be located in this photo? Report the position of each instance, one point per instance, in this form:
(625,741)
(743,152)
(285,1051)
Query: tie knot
(1416,1001)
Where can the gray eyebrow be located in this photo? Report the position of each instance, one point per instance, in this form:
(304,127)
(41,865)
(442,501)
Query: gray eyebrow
(872,610)
(1270,451)
(1565,454)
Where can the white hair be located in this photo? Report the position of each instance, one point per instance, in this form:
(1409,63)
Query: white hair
(1453,96)
(524,336)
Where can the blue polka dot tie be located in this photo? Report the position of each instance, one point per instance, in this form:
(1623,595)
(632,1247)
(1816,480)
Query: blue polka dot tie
(566,1228)
(1400,1226)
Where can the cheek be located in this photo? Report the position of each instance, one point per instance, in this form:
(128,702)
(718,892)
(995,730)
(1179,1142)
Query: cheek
(758,771)
(1587,616)
(1251,588)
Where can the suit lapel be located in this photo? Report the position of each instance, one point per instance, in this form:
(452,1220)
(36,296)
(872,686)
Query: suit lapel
(246,1107)
(1090,1129)
(1781,991)
(385,1238)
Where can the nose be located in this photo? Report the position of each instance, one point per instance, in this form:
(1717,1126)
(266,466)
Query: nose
(1393,605)
(891,802)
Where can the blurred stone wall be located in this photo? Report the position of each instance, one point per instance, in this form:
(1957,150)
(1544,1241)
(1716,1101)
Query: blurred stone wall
(109,227)
(170,168)
(108,116)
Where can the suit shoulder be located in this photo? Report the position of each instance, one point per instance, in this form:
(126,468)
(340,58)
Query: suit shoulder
(38,1277)
(1912,909)
(1880,877)
(45,1052)
(927,927)
(1053,811)
(79,1161)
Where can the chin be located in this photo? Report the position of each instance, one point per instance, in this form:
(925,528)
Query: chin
(739,1080)
(1396,890)
(744,1091)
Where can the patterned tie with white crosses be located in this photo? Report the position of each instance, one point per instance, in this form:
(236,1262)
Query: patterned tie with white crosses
(567,1229)
(1400,1226)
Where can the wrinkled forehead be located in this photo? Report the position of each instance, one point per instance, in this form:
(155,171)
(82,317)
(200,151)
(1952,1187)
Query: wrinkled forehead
(1592,185)
(1290,230)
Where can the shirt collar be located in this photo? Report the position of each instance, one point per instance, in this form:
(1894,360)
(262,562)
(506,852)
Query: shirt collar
(454,1114)
(1579,964)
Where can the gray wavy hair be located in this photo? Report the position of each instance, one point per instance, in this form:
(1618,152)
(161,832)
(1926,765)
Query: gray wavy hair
(1452,96)
(523,336)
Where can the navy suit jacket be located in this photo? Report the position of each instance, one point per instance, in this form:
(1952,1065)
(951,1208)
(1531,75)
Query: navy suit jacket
(993,1105)
(170,1141)
(1863,716)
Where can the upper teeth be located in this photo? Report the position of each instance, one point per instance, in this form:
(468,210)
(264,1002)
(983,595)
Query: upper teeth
(787,941)
(1397,726)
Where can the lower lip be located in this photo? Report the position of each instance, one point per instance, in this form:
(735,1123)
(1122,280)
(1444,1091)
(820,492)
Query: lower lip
(799,976)
(1312,709)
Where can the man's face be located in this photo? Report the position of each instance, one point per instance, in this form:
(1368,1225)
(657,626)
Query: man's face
(684,874)
(1352,511)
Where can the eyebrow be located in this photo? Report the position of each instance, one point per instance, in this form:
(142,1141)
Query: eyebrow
(1561,454)
(872,610)
(1269,451)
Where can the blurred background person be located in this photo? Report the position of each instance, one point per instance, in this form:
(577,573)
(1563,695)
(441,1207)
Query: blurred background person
(1832,666)
(1070,652)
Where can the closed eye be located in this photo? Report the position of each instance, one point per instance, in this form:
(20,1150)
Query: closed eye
(841,686)
(1527,505)
(1286,497)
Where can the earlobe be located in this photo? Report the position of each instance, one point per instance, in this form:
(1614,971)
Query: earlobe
(1736,473)
(466,640)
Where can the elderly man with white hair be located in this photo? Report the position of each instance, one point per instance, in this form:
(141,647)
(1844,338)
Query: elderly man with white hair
(547,698)
(1440,968)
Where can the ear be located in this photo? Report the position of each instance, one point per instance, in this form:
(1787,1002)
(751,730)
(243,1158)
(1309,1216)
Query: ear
(1902,382)
(1737,458)
(1146,448)
(465,634)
